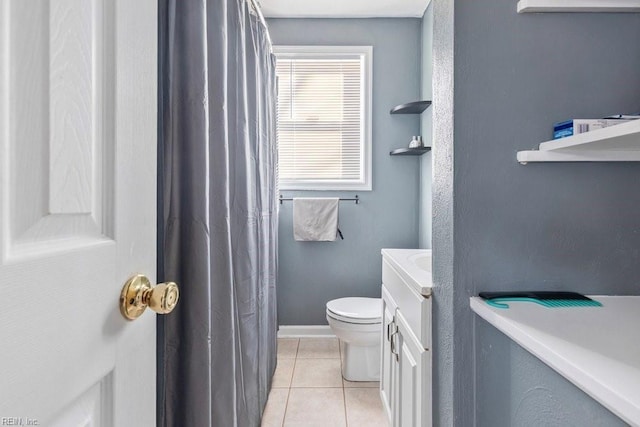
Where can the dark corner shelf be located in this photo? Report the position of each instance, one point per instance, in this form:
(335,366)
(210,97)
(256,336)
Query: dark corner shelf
(416,107)
(409,151)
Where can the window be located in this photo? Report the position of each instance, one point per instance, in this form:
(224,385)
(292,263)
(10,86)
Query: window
(324,117)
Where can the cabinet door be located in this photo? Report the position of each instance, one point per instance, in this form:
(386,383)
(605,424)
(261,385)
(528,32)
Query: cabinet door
(389,366)
(414,372)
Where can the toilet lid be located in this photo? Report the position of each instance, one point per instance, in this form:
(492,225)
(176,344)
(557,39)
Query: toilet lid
(356,309)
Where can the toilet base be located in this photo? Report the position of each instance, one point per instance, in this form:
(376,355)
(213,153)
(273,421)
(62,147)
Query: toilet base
(360,363)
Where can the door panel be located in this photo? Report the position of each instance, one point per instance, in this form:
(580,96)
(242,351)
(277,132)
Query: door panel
(78,210)
(409,381)
(59,124)
(387,360)
(415,378)
(92,408)
(389,365)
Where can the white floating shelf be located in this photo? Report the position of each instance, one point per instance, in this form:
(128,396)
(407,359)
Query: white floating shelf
(620,143)
(525,6)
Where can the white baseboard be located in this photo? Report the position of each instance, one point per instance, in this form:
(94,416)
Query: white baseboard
(305,331)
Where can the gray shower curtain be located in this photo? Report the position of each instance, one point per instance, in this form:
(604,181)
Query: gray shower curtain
(218,213)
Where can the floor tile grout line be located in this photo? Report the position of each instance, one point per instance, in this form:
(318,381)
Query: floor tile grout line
(344,395)
(295,362)
(286,404)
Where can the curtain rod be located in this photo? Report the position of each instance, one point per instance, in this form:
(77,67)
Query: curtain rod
(355,199)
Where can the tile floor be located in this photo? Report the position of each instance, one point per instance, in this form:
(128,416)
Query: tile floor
(308,389)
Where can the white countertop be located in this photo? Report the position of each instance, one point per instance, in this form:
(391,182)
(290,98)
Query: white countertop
(414,265)
(596,348)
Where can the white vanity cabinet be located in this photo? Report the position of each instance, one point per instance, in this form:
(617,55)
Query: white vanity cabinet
(388,358)
(405,383)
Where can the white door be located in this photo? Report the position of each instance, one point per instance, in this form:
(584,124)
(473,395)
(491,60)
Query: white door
(77,210)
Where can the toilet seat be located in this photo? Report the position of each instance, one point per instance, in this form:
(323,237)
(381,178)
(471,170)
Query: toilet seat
(356,310)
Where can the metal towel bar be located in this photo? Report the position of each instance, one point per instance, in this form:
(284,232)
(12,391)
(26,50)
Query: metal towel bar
(355,199)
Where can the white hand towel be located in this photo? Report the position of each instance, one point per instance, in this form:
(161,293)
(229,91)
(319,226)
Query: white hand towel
(315,219)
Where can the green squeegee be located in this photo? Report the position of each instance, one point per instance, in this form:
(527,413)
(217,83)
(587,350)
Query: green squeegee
(549,299)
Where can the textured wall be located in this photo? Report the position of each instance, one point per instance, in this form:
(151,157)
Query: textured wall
(448,407)
(541,226)
(426,128)
(312,273)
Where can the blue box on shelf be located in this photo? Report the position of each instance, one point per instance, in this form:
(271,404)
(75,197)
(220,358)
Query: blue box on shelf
(578,126)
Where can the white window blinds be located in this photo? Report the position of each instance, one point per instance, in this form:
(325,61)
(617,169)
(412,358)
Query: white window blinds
(323,140)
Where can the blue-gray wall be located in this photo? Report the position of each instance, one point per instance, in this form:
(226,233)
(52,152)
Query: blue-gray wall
(312,273)
(518,389)
(499,225)
(426,128)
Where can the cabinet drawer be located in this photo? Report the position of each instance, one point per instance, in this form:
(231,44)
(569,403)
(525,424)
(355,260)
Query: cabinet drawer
(416,309)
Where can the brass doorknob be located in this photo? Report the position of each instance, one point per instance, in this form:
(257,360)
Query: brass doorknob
(138,294)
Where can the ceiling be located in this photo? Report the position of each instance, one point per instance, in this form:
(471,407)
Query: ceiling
(343,8)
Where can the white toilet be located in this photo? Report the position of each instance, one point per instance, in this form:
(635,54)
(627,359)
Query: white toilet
(357,322)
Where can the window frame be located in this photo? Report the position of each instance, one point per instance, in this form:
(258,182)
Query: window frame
(366,52)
